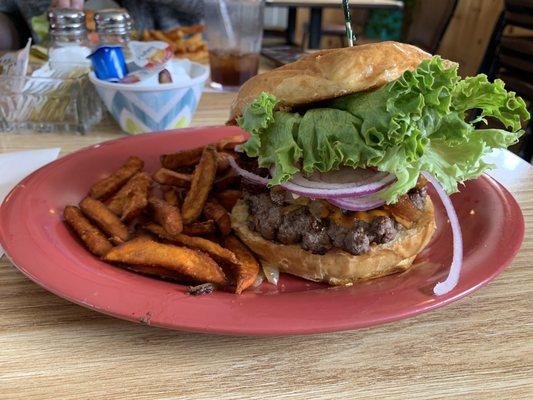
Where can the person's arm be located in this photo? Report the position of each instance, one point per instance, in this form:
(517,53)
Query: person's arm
(9,36)
(77,4)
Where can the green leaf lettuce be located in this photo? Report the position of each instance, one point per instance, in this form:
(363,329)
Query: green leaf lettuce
(417,122)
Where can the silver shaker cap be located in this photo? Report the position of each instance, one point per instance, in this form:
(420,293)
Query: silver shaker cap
(66,20)
(113,21)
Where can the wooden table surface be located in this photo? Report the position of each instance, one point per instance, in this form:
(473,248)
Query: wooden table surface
(480,347)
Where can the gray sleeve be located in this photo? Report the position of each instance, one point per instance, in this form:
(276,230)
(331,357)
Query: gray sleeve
(8,6)
(20,12)
(192,8)
(164,14)
(31,8)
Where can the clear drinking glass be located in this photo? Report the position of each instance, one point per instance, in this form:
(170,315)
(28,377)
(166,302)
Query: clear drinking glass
(234,34)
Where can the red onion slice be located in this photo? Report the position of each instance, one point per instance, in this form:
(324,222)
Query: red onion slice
(343,178)
(358,203)
(457,259)
(354,191)
(271,273)
(323,192)
(247,174)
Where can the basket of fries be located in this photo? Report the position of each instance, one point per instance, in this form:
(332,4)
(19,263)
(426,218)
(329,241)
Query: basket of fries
(185,41)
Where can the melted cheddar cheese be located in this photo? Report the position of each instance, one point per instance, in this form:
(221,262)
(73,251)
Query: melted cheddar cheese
(349,219)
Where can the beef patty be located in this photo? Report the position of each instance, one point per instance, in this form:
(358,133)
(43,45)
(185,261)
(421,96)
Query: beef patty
(278,216)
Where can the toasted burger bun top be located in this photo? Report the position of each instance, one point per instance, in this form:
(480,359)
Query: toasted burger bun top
(332,73)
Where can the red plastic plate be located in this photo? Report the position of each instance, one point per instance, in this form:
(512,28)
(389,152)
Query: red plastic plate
(34,237)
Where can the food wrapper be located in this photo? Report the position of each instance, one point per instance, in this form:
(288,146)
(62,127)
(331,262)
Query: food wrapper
(16,65)
(179,71)
(147,59)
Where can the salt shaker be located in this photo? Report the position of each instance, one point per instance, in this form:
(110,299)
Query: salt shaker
(68,36)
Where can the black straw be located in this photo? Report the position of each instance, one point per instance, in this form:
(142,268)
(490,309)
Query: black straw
(348,22)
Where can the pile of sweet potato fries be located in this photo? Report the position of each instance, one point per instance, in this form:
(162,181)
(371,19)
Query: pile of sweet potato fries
(185,41)
(173,224)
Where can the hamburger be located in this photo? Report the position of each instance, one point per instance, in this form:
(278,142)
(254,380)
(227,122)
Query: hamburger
(342,146)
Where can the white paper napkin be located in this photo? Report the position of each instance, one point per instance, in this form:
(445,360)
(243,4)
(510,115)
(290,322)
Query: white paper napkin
(17,165)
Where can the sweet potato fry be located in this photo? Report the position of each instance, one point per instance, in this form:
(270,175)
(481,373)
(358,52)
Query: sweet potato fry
(229,143)
(222,162)
(228,180)
(184,41)
(90,235)
(193,42)
(159,35)
(201,184)
(200,55)
(151,269)
(174,34)
(146,36)
(228,198)
(117,202)
(200,228)
(108,222)
(213,210)
(184,158)
(107,186)
(248,268)
(187,30)
(217,252)
(179,47)
(171,196)
(195,265)
(137,198)
(185,170)
(166,215)
(166,176)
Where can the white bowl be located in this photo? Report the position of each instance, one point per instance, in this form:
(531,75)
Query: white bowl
(140,108)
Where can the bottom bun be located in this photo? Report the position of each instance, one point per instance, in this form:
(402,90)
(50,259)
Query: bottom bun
(338,267)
